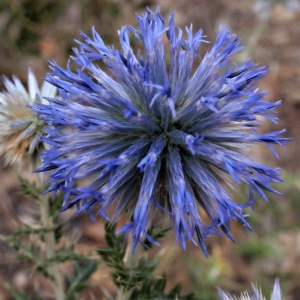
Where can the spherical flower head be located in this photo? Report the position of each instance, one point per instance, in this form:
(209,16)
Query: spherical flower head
(256,294)
(20,129)
(144,132)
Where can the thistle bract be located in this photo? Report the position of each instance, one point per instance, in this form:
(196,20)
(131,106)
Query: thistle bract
(163,129)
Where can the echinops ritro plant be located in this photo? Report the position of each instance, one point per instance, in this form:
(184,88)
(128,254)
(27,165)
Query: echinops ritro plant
(161,129)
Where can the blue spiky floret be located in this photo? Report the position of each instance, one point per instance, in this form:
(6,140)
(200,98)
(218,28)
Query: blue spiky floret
(144,135)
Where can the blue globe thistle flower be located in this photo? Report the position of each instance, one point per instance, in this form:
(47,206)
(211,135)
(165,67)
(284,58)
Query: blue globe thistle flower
(264,8)
(256,293)
(160,130)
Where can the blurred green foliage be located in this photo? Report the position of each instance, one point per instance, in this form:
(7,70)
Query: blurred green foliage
(138,280)
(28,240)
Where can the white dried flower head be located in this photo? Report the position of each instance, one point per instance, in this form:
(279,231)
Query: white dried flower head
(20,130)
(256,294)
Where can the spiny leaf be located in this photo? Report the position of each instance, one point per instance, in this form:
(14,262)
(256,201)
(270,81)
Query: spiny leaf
(30,189)
(139,281)
(16,295)
(156,233)
(82,272)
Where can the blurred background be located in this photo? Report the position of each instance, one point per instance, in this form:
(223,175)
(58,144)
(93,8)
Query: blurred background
(35,31)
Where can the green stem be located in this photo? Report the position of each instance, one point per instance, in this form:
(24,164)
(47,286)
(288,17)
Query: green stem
(50,242)
(130,261)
